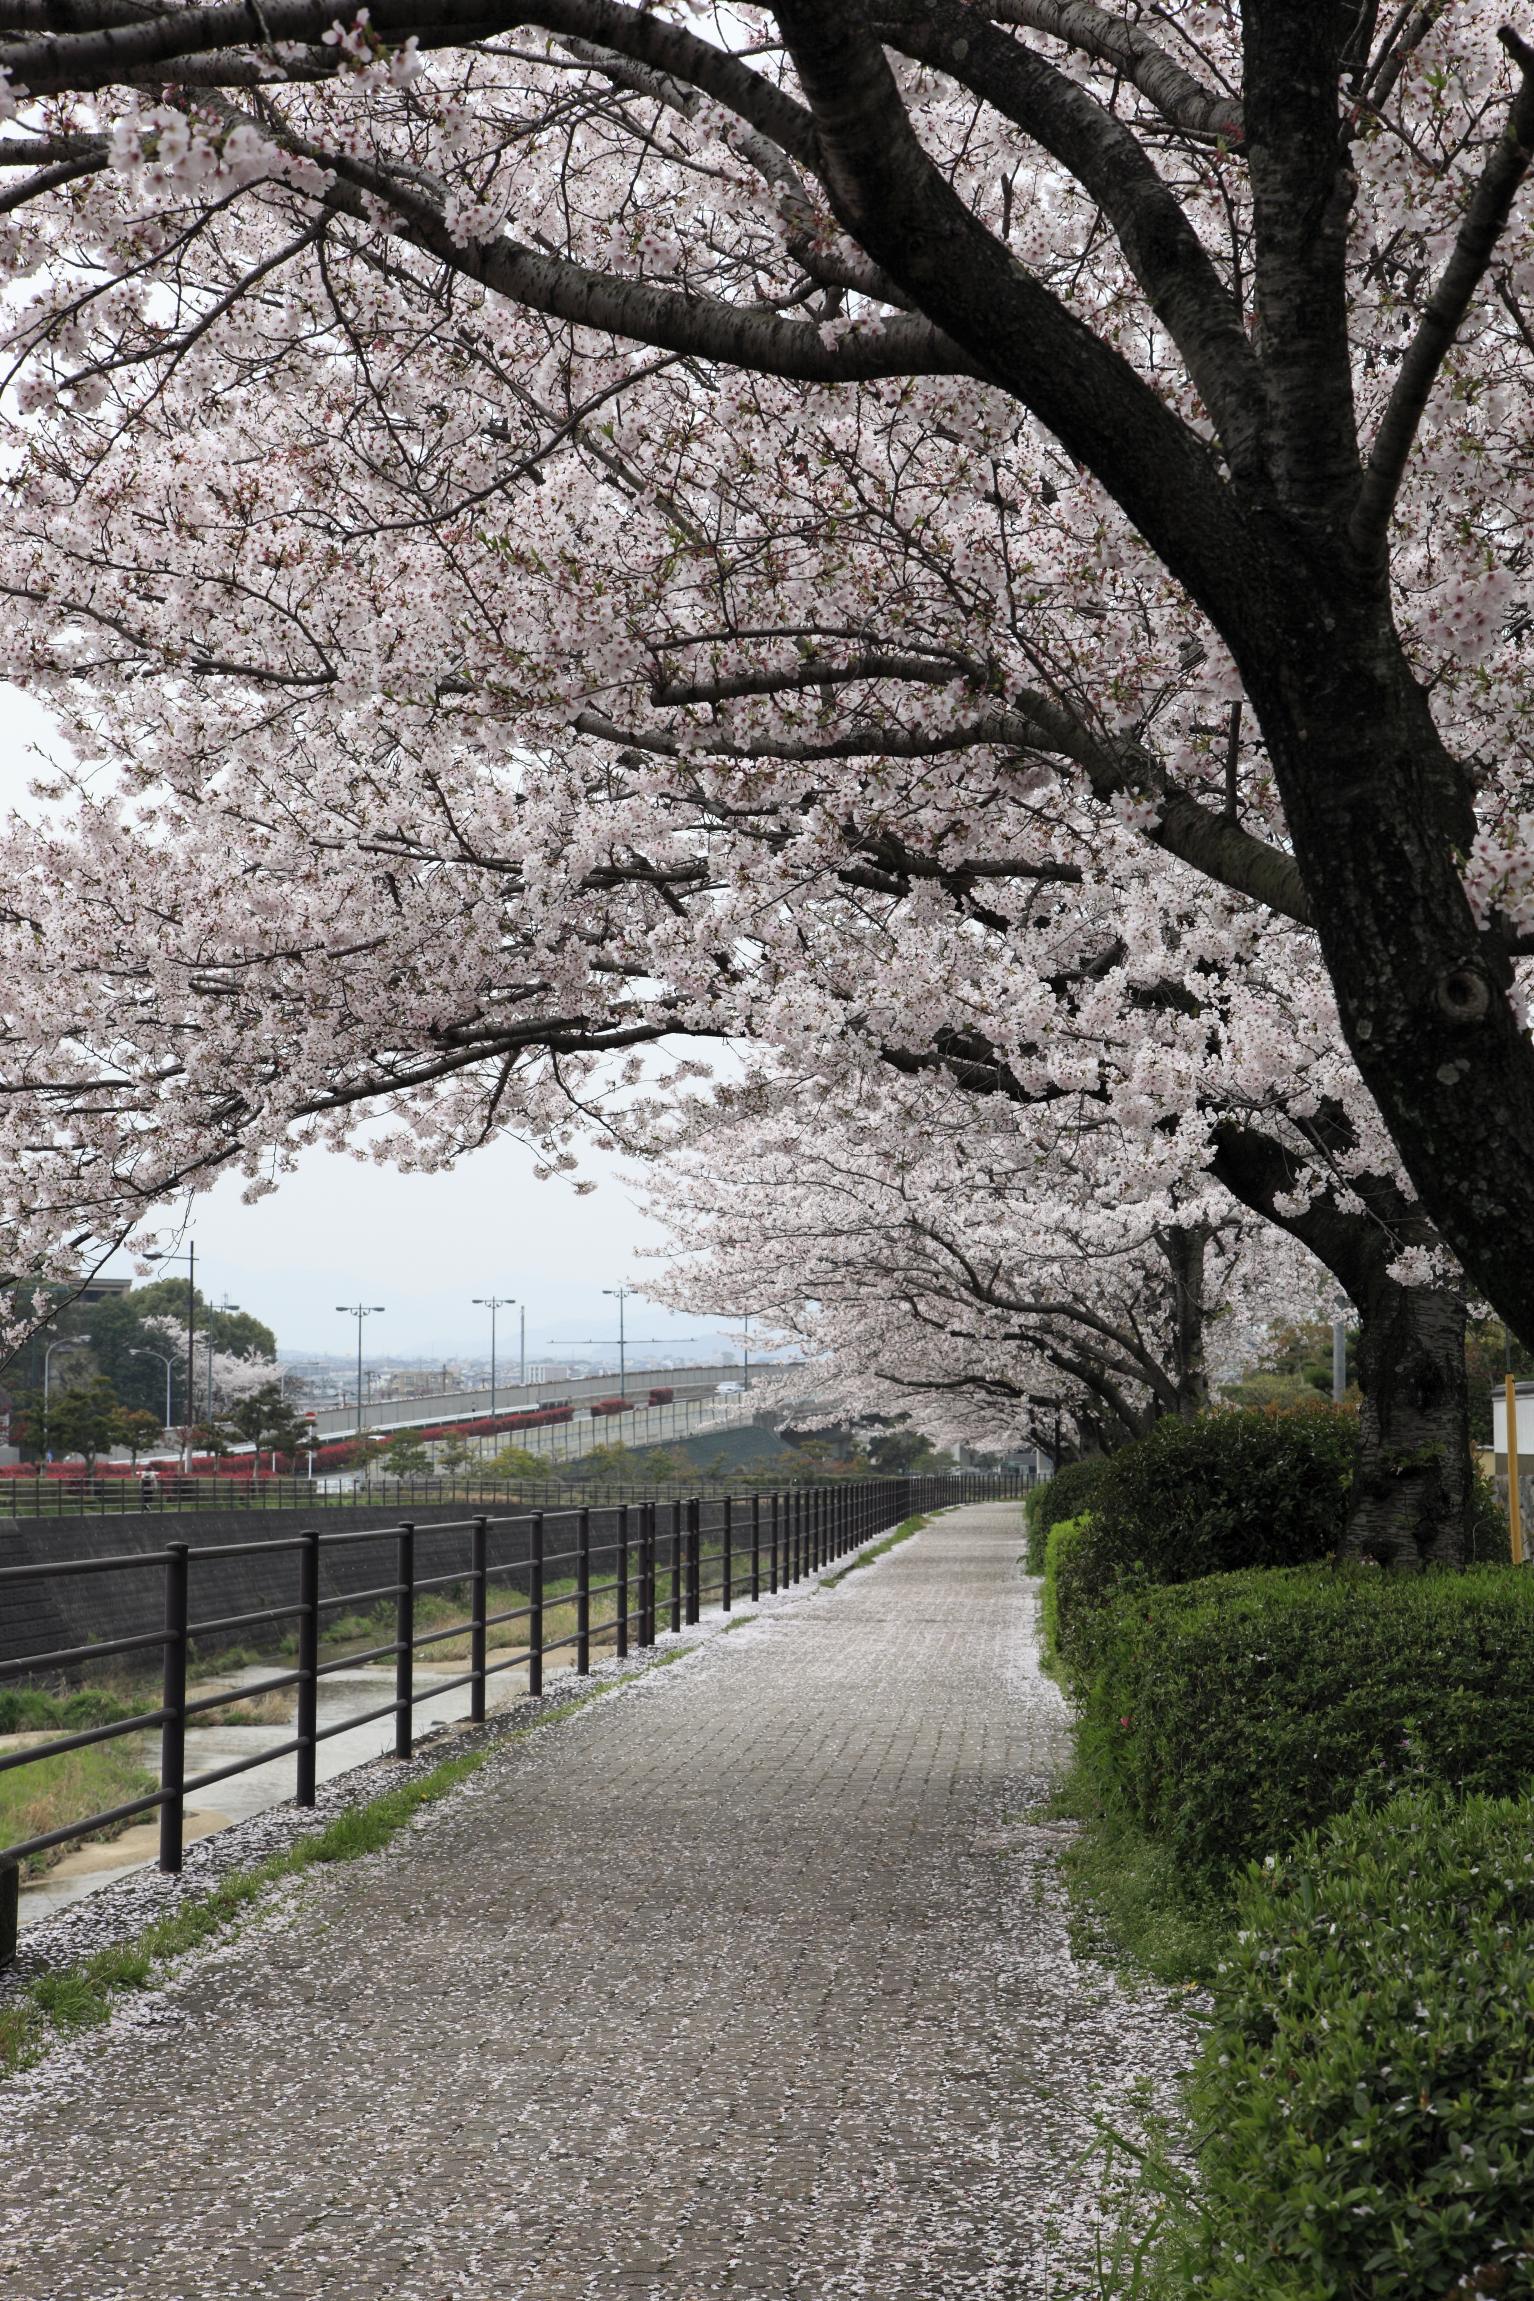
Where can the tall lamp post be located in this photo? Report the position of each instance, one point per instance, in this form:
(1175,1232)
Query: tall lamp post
(65,1342)
(167,1363)
(226,1304)
(620,1295)
(359,1311)
(493,1303)
(190,1259)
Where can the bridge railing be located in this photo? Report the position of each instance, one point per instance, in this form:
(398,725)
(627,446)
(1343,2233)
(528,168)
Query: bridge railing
(578,1578)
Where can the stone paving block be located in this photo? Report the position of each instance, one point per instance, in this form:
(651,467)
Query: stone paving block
(750,1981)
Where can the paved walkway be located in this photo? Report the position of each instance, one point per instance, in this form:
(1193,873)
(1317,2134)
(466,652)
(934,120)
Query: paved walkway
(749,1981)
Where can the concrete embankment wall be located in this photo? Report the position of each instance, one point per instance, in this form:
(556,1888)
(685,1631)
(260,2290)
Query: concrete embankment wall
(75,1609)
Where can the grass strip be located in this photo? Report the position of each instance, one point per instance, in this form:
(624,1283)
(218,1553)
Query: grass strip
(1129,1902)
(82,1996)
(51,1791)
(902,1533)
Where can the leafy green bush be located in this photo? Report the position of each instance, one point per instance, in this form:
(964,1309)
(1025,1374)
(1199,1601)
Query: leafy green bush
(1233,1714)
(28,1709)
(1366,2091)
(1063,1540)
(1064,1496)
(1235,1488)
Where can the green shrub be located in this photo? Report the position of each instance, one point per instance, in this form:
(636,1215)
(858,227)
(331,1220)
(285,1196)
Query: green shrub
(1064,1496)
(1235,1713)
(1366,2091)
(1235,1488)
(1065,1537)
(29,1709)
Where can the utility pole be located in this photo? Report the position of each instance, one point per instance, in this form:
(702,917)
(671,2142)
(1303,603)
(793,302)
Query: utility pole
(359,1311)
(493,1303)
(1339,1359)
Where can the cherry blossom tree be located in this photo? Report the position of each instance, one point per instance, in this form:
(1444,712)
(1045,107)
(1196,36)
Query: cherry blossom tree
(974,525)
(926,1254)
(685,327)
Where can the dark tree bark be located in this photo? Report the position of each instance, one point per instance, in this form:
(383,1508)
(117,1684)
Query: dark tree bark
(1187,1254)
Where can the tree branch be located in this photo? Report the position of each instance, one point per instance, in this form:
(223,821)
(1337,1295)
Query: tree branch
(1128,48)
(1506,165)
(1159,243)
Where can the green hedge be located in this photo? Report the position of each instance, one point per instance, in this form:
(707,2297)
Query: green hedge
(1061,1543)
(1237,1487)
(1366,2091)
(1232,1714)
(1064,1496)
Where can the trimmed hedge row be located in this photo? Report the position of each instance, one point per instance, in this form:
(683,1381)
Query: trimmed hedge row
(1237,1488)
(1064,1496)
(1366,2091)
(1235,1713)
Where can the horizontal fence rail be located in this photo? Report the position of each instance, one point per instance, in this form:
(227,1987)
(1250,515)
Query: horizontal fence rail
(172,1492)
(568,1578)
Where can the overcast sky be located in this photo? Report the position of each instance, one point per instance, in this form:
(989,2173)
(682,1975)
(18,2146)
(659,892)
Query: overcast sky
(422,1245)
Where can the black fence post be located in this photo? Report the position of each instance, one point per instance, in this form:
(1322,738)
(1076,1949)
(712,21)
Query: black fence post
(694,1552)
(535,1606)
(676,1564)
(623,1581)
(583,1594)
(173,1700)
(478,1583)
(772,1553)
(729,1551)
(404,1642)
(645,1591)
(756,1548)
(306,1725)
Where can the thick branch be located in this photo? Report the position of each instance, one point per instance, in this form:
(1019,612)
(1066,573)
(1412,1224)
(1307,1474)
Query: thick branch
(893,199)
(1107,160)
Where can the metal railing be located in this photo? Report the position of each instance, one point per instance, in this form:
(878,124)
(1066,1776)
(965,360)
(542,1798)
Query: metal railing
(659,1564)
(174,1492)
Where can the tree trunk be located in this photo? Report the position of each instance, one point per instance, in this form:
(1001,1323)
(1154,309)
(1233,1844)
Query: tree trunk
(1186,1253)
(1413,1487)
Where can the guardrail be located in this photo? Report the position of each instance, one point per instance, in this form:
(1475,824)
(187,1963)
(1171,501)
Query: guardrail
(658,1563)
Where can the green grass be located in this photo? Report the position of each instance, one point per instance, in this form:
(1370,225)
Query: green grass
(52,1791)
(902,1533)
(1129,1903)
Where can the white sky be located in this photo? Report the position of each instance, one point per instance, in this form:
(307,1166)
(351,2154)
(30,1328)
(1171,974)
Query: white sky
(422,1245)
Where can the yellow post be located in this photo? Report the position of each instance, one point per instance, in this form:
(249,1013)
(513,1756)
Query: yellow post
(1514,1511)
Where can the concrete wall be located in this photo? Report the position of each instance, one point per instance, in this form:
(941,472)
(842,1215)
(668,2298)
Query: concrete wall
(69,1609)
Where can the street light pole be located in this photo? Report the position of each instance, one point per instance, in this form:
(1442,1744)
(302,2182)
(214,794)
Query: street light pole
(167,1363)
(620,1295)
(522,1345)
(493,1303)
(65,1342)
(359,1311)
(190,1259)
